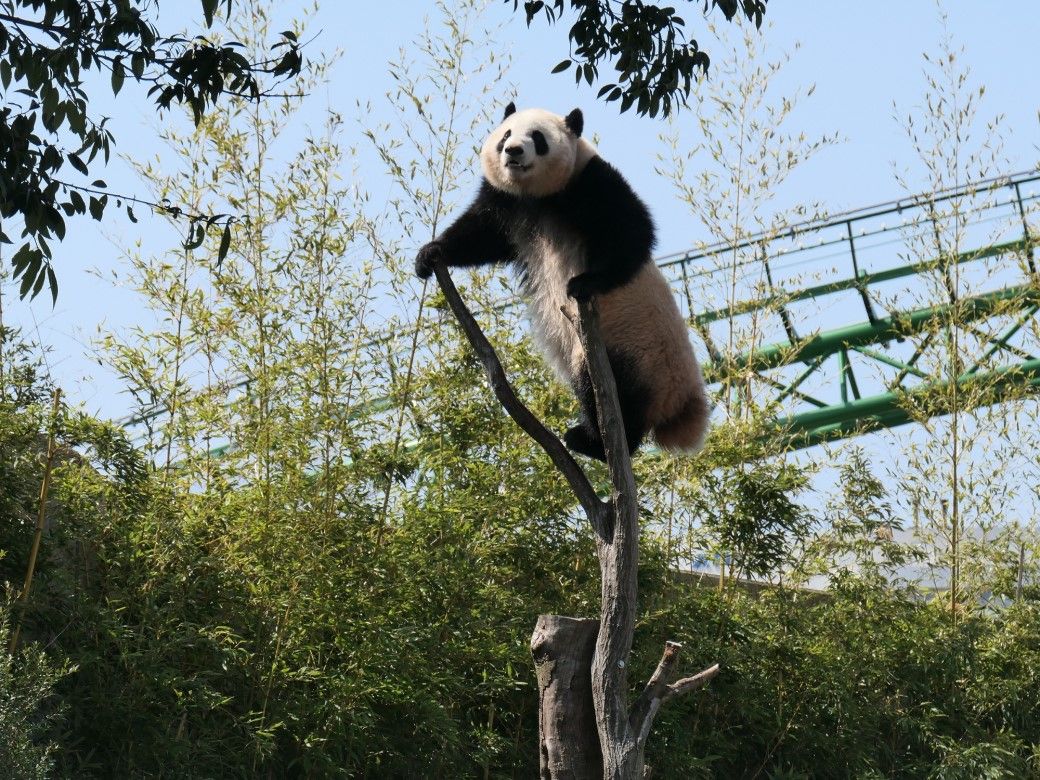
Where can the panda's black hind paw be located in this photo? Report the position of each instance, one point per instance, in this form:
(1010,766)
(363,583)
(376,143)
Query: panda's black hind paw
(583,286)
(579,440)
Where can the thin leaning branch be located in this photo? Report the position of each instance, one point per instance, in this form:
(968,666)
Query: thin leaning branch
(176,212)
(595,509)
(687,684)
(645,706)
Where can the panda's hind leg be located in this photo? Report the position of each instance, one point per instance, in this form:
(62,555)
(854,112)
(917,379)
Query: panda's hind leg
(584,438)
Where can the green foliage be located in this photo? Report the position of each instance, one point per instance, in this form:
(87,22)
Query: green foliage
(864,681)
(211,633)
(751,518)
(48,48)
(645,43)
(27,714)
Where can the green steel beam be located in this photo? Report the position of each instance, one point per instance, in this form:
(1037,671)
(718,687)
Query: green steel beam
(865,334)
(793,386)
(1001,342)
(790,390)
(888,410)
(864,280)
(880,357)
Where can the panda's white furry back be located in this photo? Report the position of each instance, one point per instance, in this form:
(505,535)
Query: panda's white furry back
(574,228)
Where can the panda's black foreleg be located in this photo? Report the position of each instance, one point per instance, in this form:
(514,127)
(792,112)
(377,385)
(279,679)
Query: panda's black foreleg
(584,438)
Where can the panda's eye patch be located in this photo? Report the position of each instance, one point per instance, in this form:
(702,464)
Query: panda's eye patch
(541,146)
(502,143)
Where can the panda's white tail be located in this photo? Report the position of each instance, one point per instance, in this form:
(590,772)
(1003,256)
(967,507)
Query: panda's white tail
(685,431)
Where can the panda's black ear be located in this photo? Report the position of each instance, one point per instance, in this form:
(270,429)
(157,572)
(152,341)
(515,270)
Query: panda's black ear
(575,122)
(510,110)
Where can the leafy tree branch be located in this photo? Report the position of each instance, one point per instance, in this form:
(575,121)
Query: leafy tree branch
(48,49)
(646,44)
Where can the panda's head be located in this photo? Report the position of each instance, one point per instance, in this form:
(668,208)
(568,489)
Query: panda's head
(535,152)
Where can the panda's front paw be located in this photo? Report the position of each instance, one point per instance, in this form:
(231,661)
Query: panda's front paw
(582,287)
(428,256)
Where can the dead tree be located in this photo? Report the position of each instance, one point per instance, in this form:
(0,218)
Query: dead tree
(587,728)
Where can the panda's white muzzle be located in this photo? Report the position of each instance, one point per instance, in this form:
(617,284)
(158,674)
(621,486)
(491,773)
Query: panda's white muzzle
(513,158)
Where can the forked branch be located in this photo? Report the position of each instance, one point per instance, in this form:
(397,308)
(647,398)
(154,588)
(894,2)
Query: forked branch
(659,689)
(622,731)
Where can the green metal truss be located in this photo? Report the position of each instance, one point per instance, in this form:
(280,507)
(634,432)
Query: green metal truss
(868,375)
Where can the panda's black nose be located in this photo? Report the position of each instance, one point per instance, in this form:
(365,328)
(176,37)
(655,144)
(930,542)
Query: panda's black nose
(514,151)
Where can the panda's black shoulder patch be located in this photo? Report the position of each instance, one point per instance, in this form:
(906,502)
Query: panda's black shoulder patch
(603,201)
(612,222)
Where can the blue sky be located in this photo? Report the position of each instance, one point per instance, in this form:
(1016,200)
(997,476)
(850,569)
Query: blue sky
(862,57)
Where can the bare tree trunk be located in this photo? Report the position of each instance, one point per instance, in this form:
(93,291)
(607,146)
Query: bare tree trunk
(619,564)
(568,741)
(571,675)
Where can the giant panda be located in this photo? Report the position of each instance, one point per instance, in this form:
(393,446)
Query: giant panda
(573,227)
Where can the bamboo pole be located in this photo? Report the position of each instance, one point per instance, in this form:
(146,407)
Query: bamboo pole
(41,521)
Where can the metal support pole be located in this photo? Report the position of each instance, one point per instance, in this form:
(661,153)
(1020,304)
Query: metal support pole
(1025,230)
(792,336)
(860,286)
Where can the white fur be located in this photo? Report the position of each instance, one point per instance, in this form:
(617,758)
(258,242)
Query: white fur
(540,175)
(639,319)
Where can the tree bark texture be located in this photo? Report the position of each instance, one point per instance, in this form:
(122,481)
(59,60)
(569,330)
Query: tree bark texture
(568,740)
(619,565)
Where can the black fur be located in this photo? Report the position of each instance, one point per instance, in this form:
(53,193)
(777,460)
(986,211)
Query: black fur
(575,122)
(633,398)
(510,110)
(541,146)
(614,225)
(598,205)
(477,237)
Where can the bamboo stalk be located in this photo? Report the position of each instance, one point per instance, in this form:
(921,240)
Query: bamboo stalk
(41,521)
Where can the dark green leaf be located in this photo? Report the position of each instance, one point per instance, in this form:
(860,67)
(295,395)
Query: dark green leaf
(225,244)
(196,235)
(41,277)
(28,277)
(53,281)
(209,8)
(22,258)
(117,75)
(77,163)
